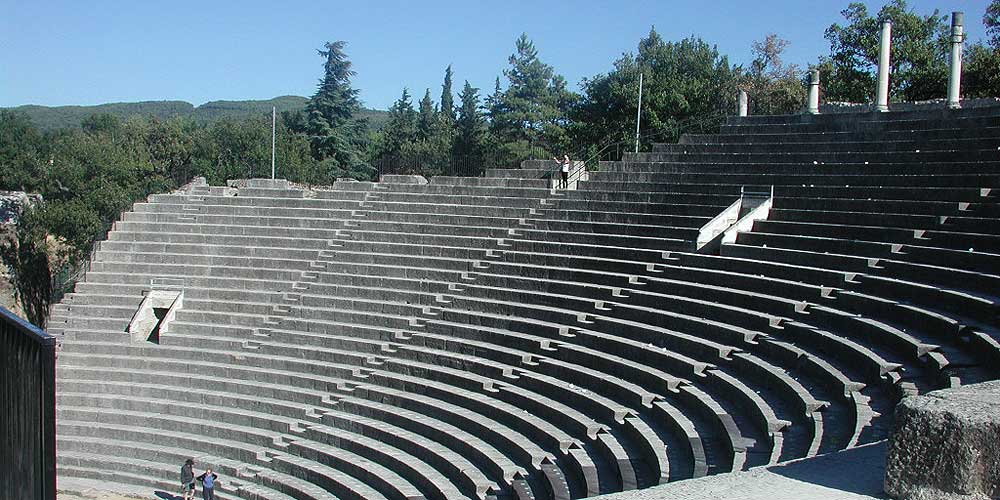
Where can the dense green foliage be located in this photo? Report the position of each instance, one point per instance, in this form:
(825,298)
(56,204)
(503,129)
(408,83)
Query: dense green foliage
(688,86)
(919,62)
(982,59)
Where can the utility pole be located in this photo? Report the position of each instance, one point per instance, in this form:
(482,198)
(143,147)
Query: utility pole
(638,114)
(273,113)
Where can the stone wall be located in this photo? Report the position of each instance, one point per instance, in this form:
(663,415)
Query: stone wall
(946,445)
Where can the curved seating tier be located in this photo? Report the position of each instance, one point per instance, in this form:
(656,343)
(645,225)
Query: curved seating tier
(494,338)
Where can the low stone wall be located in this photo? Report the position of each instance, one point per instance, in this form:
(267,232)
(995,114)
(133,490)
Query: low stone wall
(946,445)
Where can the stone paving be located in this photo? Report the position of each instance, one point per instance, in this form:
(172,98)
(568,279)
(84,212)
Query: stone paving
(854,474)
(90,489)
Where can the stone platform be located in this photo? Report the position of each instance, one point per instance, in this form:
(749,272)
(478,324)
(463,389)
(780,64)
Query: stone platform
(854,474)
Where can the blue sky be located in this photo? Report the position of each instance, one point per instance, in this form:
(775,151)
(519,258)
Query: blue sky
(90,52)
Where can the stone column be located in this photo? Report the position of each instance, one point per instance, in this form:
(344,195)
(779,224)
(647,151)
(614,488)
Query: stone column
(741,103)
(955,77)
(882,92)
(814,92)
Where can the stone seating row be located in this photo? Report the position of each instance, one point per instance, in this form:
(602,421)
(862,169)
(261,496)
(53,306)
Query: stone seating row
(969,140)
(809,167)
(833,157)
(892,136)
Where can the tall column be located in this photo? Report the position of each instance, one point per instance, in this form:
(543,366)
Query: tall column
(741,103)
(955,77)
(814,92)
(882,92)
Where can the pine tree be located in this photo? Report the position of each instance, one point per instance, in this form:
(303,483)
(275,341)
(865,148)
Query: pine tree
(401,127)
(426,119)
(531,112)
(470,127)
(334,132)
(494,105)
(447,100)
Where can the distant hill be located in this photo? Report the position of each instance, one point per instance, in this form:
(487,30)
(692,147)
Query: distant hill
(55,117)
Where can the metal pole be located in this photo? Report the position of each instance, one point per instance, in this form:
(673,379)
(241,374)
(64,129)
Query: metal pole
(955,77)
(882,92)
(273,113)
(638,114)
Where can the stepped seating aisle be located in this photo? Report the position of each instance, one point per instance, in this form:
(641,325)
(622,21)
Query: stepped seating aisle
(494,338)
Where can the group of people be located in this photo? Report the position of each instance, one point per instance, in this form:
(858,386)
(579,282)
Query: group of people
(209,480)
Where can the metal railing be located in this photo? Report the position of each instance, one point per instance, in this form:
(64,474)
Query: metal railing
(614,146)
(458,165)
(27,410)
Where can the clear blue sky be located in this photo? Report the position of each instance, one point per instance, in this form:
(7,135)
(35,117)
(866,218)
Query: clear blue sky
(88,52)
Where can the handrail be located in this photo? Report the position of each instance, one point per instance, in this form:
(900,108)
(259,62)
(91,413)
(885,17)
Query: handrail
(31,331)
(28,400)
(627,138)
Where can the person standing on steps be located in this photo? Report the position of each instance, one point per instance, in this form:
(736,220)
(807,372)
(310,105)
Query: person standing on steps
(564,166)
(208,481)
(187,479)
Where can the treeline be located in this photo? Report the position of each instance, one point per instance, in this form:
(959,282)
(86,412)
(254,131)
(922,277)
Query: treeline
(89,175)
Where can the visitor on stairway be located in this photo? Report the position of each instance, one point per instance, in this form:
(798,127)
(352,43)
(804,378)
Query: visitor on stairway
(187,479)
(564,167)
(208,481)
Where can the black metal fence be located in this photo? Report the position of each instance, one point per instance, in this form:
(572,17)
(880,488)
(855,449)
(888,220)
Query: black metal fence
(27,411)
(459,165)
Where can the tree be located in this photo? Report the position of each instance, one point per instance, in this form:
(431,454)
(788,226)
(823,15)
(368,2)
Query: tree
(532,111)
(447,100)
(982,60)
(334,130)
(918,66)
(21,152)
(401,128)
(26,257)
(470,127)
(773,87)
(426,119)
(688,87)
(991,20)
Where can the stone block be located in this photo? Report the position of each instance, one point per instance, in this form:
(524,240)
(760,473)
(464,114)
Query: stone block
(404,179)
(946,445)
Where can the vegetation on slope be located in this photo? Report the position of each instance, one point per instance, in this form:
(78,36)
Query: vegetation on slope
(57,117)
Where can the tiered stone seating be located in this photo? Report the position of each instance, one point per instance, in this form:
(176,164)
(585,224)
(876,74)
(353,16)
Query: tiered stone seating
(494,338)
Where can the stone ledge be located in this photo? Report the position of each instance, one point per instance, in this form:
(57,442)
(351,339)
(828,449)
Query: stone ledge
(946,445)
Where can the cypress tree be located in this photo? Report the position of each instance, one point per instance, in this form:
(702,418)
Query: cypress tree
(447,100)
(401,126)
(470,127)
(425,120)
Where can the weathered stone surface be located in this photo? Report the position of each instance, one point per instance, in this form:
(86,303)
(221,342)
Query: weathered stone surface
(404,179)
(12,203)
(946,445)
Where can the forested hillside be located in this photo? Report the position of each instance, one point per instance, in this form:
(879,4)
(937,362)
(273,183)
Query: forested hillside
(47,118)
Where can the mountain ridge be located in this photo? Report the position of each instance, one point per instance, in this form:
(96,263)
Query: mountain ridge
(56,117)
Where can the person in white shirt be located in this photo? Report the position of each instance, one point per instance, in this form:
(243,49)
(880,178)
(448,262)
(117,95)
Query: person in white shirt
(564,167)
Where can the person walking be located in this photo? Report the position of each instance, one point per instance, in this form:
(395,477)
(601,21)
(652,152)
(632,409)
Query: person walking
(564,167)
(187,479)
(208,481)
